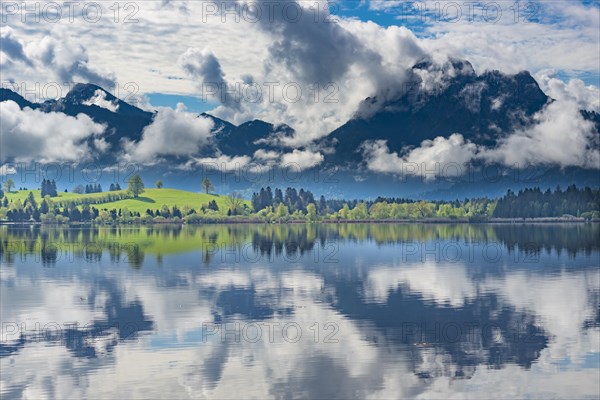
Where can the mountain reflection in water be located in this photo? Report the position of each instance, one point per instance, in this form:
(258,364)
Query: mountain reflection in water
(312,311)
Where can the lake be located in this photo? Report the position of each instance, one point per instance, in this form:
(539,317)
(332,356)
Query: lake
(303,311)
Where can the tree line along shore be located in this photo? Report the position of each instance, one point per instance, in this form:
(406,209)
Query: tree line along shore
(138,205)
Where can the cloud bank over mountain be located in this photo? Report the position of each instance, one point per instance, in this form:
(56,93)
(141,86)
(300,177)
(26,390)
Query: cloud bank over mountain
(172,132)
(33,135)
(559,136)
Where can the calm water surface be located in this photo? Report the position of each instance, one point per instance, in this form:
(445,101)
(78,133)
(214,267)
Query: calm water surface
(257,311)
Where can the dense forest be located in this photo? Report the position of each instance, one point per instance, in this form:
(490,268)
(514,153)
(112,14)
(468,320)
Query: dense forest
(298,200)
(533,203)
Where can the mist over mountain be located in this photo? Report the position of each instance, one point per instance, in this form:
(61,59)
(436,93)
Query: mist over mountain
(247,138)
(121,120)
(483,108)
(444,113)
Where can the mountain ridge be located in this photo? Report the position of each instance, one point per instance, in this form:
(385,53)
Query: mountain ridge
(483,108)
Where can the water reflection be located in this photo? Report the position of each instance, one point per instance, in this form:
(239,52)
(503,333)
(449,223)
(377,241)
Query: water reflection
(334,311)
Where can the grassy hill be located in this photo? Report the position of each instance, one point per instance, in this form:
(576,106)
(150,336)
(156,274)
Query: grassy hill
(22,195)
(152,199)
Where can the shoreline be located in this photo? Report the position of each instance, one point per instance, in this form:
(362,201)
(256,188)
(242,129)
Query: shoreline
(546,220)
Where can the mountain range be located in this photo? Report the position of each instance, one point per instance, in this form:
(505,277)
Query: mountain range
(483,108)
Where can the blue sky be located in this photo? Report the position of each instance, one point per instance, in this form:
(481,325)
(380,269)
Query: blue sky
(192,103)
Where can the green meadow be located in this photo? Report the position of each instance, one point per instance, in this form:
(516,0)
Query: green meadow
(22,195)
(152,199)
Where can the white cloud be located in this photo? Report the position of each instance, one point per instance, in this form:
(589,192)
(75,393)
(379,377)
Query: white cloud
(453,150)
(265,160)
(171,133)
(383,5)
(439,156)
(261,161)
(442,284)
(586,97)
(203,66)
(28,135)
(57,58)
(99,99)
(265,155)
(7,169)
(222,163)
(531,40)
(561,136)
(301,159)
(12,47)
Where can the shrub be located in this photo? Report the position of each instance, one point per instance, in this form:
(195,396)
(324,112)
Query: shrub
(193,219)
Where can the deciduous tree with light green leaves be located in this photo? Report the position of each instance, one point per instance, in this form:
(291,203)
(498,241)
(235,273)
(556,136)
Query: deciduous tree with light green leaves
(234,201)
(424,209)
(311,212)
(282,212)
(207,185)
(380,210)
(359,212)
(267,214)
(9,185)
(136,186)
(345,211)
